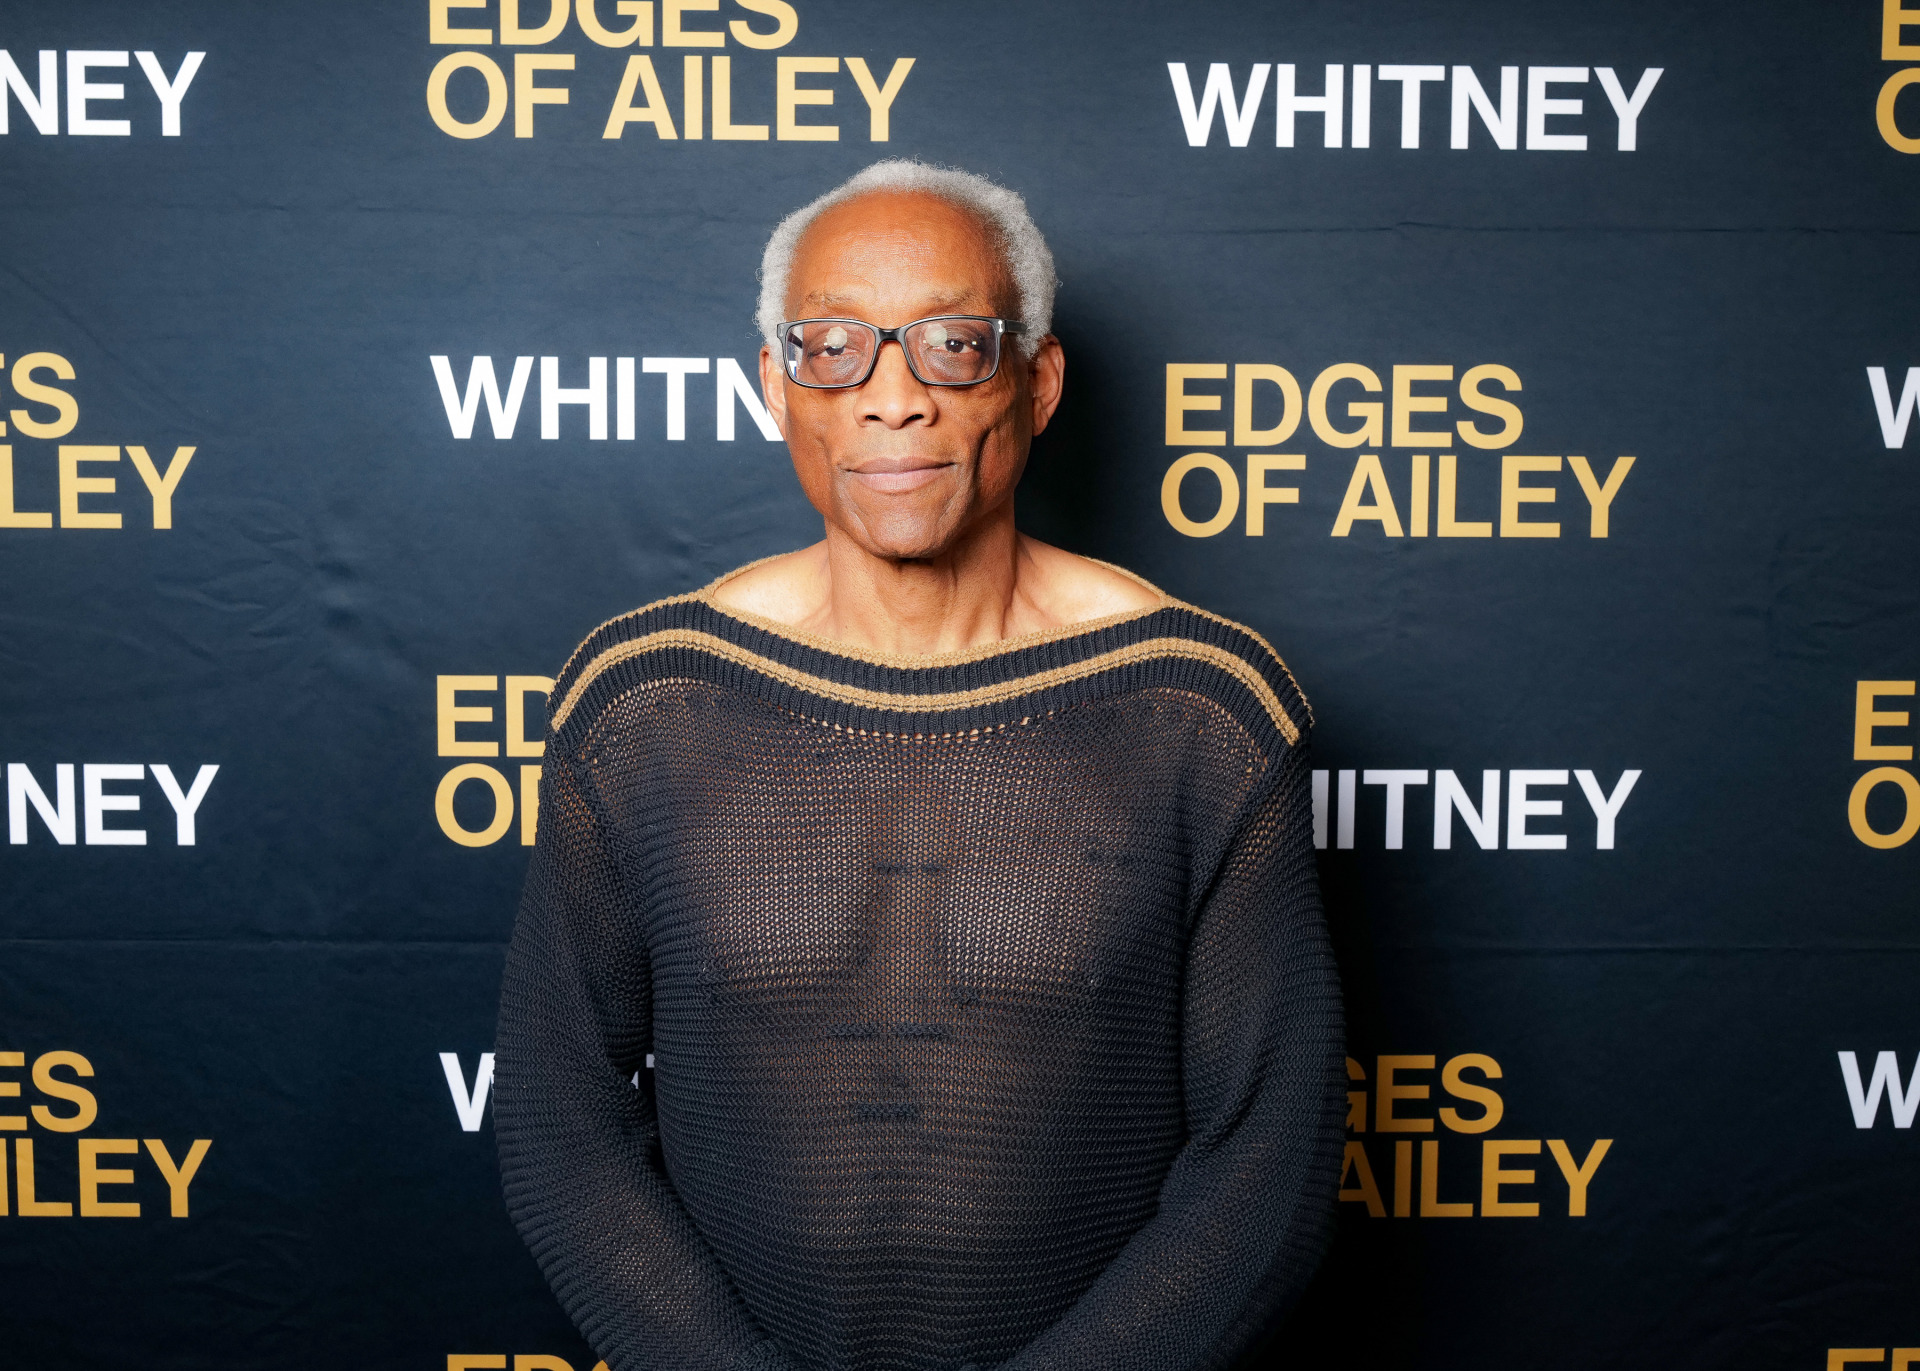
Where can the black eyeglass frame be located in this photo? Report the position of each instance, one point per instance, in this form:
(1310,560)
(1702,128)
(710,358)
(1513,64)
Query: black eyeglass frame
(1001,328)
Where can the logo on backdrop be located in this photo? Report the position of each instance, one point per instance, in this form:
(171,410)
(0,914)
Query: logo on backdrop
(1531,803)
(1865,1093)
(101,108)
(1431,492)
(489,804)
(1556,111)
(46,478)
(53,1182)
(1838,1358)
(1884,808)
(1895,416)
(734,390)
(68,823)
(798,99)
(524,1361)
(1895,21)
(1395,1091)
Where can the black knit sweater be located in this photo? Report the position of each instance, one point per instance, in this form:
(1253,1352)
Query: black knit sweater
(991,1006)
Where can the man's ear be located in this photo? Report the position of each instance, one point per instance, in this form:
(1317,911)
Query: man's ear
(1046,379)
(773,388)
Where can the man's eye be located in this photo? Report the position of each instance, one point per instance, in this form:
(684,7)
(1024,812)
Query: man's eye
(835,341)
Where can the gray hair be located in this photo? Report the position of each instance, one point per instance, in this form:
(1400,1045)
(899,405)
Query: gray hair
(1029,262)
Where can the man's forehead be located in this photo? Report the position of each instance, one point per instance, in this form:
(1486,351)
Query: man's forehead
(830,298)
(893,244)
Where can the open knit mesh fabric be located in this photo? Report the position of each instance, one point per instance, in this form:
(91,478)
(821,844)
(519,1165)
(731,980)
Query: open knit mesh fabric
(992,1011)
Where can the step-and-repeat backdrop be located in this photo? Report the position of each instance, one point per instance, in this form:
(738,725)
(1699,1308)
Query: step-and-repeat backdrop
(1542,379)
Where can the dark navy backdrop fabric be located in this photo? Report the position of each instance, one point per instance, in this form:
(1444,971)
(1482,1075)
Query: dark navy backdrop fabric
(269,286)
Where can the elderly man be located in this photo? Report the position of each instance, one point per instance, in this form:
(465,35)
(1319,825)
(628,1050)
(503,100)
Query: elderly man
(959,889)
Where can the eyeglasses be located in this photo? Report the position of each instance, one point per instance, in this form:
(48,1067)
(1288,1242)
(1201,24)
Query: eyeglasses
(941,350)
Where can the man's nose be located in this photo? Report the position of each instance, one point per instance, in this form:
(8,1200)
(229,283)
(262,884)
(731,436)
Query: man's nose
(893,395)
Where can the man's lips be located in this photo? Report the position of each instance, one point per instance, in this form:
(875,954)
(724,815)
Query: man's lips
(898,475)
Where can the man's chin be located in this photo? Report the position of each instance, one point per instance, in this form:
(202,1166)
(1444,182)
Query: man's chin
(900,536)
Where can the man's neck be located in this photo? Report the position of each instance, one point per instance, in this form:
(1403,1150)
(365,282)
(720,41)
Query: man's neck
(994,583)
(972,594)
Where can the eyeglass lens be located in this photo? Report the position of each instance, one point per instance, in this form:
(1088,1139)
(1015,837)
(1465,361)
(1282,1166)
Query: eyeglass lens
(942,352)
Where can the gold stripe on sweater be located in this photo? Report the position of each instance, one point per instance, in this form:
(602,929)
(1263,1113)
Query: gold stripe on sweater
(666,639)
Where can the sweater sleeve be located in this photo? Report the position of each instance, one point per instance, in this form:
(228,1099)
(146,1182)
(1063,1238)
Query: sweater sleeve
(1247,1207)
(579,1143)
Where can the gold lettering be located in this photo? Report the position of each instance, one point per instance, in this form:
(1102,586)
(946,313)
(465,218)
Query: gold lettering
(1406,404)
(1600,496)
(66,408)
(1580,1176)
(496,95)
(786,23)
(160,488)
(1866,718)
(93,1176)
(179,1177)
(724,129)
(1260,494)
(879,98)
(437,17)
(10,517)
(1368,434)
(1513,495)
(789,96)
(1244,376)
(526,95)
(1512,421)
(1179,402)
(640,72)
(73,485)
(640,35)
(1368,478)
(86,1107)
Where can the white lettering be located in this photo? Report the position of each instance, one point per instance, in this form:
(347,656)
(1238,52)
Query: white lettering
(462,410)
(1396,783)
(1521,807)
(1450,796)
(593,396)
(1503,124)
(1238,118)
(42,106)
(1330,104)
(1539,107)
(1886,1080)
(731,385)
(98,803)
(1894,419)
(1363,106)
(22,788)
(1628,107)
(1410,79)
(470,1105)
(1606,808)
(80,91)
(172,92)
(187,804)
(676,370)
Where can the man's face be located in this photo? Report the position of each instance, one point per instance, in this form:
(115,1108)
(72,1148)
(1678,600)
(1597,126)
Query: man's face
(901,468)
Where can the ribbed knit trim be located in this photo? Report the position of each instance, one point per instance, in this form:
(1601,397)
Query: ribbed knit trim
(1172,644)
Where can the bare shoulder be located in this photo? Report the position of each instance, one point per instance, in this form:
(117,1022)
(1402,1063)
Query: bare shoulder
(1070,588)
(786,588)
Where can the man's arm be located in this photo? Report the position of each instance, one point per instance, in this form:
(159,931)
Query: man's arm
(579,1142)
(1247,1206)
